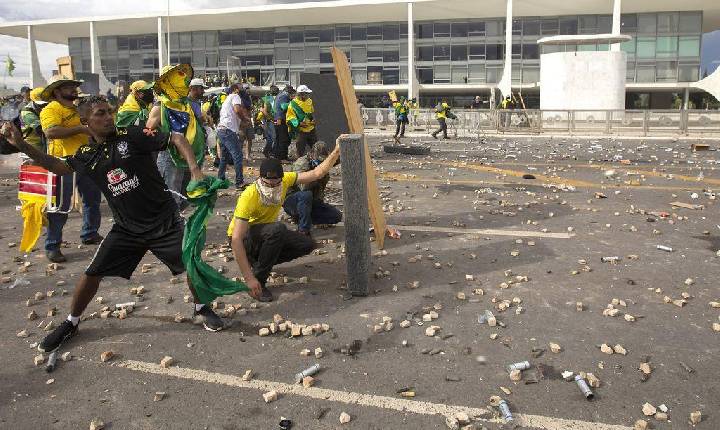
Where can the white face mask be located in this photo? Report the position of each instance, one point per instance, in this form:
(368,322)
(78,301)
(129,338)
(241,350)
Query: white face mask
(269,196)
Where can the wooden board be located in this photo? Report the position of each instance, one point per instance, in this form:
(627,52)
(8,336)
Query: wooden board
(352,112)
(65,67)
(330,121)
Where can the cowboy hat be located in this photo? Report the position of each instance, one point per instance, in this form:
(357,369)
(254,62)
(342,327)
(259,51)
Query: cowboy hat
(167,83)
(56,82)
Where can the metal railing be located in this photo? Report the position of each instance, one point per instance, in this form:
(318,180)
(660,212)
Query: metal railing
(473,123)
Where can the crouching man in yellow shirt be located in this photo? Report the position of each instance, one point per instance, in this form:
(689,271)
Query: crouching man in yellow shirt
(255,233)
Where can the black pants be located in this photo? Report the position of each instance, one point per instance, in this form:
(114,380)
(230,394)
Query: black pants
(269,244)
(443,128)
(400,129)
(305,141)
(282,141)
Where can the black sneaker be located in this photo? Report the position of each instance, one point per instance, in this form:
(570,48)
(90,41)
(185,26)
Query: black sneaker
(210,320)
(65,331)
(55,256)
(265,295)
(93,240)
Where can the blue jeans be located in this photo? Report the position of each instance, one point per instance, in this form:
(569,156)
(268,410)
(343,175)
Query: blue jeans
(269,149)
(231,147)
(90,194)
(301,207)
(174,177)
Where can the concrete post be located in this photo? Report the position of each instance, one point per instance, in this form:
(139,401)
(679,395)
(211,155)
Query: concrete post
(94,50)
(161,45)
(686,99)
(505,84)
(411,51)
(36,77)
(357,218)
(617,19)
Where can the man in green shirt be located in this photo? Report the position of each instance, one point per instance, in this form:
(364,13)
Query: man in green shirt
(30,120)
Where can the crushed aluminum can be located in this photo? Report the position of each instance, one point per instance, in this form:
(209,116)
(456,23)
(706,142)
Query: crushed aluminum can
(664,248)
(310,371)
(505,411)
(587,392)
(523,365)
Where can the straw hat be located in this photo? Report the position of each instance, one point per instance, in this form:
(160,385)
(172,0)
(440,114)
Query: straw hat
(55,83)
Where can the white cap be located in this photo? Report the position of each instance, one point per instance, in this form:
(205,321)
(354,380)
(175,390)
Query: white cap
(197,82)
(304,89)
(245,86)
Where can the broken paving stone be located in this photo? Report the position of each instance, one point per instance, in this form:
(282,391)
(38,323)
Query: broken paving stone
(318,352)
(592,380)
(39,359)
(515,375)
(270,396)
(247,375)
(606,349)
(460,295)
(505,390)
(649,410)
(308,381)
(264,331)
(159,396)
(305,352)
(49,326)
(344,418)
(645,368)
(167,361)
(66,356)
(106,356)
(32,315)
(23,333)
(568,375)
(661,416)
(619,350)
(629,318)
(405,324)
(97,424)
(695,417)
(555,348)
(640,425)
(431,331)
(716,327)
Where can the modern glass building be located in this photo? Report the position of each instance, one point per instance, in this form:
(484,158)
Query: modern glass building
(459,53)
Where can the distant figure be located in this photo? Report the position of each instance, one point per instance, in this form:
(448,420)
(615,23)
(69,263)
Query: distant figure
(477,103)
(442,113)
(300,119)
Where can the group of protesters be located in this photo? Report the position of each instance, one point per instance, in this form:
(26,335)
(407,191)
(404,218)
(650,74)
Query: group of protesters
(147,158)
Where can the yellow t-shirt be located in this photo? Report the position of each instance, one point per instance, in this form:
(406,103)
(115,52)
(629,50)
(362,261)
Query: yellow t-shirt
(251,209)
(57,115)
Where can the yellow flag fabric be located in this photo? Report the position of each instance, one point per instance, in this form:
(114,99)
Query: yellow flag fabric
(32,211)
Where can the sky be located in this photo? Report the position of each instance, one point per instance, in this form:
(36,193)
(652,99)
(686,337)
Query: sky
(16,48)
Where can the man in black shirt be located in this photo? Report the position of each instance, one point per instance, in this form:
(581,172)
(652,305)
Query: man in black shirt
(119,162)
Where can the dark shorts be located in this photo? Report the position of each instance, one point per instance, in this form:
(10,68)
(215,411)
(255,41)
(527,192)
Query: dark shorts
(121,251)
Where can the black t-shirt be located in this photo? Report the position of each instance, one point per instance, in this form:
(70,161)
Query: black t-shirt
(124,170)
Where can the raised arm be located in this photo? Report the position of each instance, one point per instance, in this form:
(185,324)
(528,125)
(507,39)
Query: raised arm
(53,164)
(320,171)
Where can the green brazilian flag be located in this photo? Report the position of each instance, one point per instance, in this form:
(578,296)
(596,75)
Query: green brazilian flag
(207,282)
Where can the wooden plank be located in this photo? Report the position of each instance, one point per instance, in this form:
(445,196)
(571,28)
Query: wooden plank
(352,112)
(686,205)
(484,232)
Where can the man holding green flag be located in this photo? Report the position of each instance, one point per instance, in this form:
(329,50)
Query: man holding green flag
(300,120)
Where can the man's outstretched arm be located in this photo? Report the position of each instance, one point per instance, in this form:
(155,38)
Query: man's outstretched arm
(53,164)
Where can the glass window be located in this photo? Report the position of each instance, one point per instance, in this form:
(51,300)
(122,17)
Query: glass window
(359,76)
(312,54)
(667,46)
(281,36)
(281,75)
(666,71)
(531,28)
(628,47)
(459,29)
(588,24)
(325,58)
(391,32)
(458,53)
(359,54)
(459,75)
(549,27)
(568,26)
(688,72)
(225,38)
(238,37)
(690,22)
(516,51)
(628,23)
(689,46)
(493,28)
(342,32)
(424,31)
(442,29)
(425,75)
(124,43)
(297,56)
(391,56)
(605,24)
(667,23)
(312,35)
(586,48)
(645,73)
(282,53)
(530,51)
(358,33)
(211,60)
(476,52)
(530,75)
(374,32)
(476,28)
(495,51)
(390,76)
(646,47)
(441,52)
(252,36)
(185,41)
(297,36)
(374,75)
(198,39)
(516,27)
(476,73)
(630,72)
(374,56)
(493,74)
(425,53)
(267,37)
(441,74)
(211,39)
(647,24)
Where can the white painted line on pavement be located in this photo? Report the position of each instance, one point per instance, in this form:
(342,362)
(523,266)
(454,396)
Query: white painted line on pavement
(487,231)
(383,402)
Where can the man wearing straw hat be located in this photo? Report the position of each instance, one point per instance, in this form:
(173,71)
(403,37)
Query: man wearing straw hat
(66,133)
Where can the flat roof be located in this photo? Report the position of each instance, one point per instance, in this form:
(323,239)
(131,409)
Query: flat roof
(342,12)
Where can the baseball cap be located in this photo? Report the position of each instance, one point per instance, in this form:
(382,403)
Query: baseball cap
(197,82)
(35,94)
(271,168)
(304,89)
(140,85)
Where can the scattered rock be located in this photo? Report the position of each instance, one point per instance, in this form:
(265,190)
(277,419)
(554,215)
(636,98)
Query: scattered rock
(247,376)
(167,361)
(515,375)
(106,356)
(39,359)
(619,350)
(159,396)
(695,417)
(97,424)
(270,396)
(344,418)
(318,352)
(264,331)
(649,410)
(308,381)
(66,356)
(23,333)
(554,347)
(606,349)
(640,425)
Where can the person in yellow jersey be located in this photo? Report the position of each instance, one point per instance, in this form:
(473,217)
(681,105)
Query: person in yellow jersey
(259,241)
(30,120)
(442,113)
(300,120)
(136,108)
(65,133)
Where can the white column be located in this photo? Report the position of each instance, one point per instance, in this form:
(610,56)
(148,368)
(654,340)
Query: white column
(411,51)
(617,19)
(161,45)
(686,98)
(36,77)
(505,84)
(94,50)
